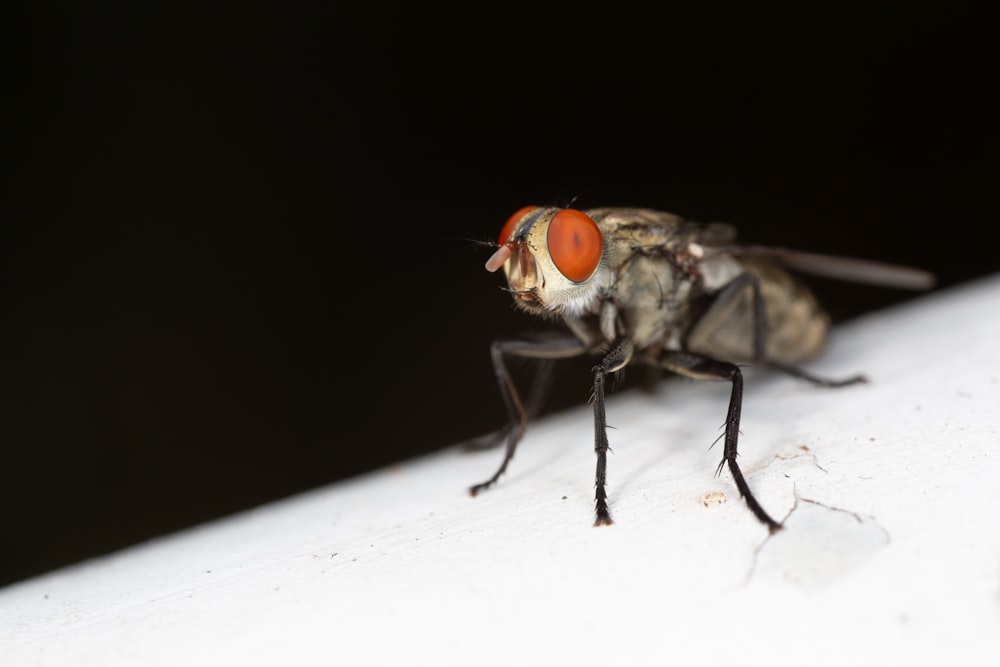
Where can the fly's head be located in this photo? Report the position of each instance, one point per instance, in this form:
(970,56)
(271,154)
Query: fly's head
(553,258)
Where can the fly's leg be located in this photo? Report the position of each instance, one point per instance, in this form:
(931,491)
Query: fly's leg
(612,362)
(703,368)
(539,392)
(517,414)
(797,372)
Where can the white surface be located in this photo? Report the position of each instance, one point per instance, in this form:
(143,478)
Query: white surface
(891,550)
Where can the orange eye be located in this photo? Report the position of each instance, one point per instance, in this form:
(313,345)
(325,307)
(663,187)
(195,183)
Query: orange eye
(574,244)
(512,221)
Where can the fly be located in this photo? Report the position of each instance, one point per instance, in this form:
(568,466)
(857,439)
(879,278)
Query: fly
(637,286)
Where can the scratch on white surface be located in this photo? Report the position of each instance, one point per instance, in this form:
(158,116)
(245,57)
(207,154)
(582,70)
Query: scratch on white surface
(801,451)
(819,545)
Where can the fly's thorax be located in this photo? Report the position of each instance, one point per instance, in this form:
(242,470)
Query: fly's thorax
(654,298)
(659,268)
(554,261)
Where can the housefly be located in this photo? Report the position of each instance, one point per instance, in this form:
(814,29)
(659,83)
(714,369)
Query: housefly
(637,286)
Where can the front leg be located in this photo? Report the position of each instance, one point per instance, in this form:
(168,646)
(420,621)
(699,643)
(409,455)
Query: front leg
(613,361)
(537,395)
(517,414)
(703,368)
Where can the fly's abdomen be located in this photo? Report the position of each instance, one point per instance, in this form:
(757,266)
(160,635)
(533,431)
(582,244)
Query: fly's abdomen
(795,326)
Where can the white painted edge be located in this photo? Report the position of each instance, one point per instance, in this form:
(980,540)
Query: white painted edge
(891,549)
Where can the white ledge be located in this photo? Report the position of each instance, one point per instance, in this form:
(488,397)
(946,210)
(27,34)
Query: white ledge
(891,547)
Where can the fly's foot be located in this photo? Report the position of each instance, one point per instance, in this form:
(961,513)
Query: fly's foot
(474,490)
(603,515)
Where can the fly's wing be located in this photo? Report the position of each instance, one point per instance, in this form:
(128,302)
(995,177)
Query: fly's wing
(650,229)
(841,268)
(716,234)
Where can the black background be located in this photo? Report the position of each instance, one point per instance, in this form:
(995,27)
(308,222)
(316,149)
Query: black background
(238,259)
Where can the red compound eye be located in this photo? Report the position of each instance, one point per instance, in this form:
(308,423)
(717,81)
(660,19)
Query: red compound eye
(512,222)
(574,244)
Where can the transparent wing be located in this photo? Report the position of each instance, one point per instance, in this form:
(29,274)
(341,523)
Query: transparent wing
(842,268)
